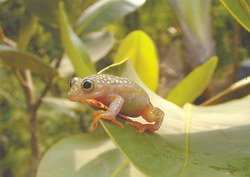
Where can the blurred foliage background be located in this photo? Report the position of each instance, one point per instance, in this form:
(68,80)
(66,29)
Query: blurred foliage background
(184,35)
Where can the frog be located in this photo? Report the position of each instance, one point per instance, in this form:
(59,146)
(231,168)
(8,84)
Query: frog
(120,96)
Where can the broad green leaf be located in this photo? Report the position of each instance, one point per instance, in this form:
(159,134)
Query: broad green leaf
(21,60)
(74,47)
(240,10)
(98,44)
(194,141)
(193,84)
(104,12)
(140,49)
(82,155)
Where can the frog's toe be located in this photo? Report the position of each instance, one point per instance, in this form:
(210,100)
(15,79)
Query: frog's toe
(98,115)
(117,122)
(92,127)
(142,127)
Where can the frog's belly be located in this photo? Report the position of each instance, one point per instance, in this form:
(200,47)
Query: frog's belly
(134,107)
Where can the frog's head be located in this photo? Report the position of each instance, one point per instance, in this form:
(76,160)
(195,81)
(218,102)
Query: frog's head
(82,89)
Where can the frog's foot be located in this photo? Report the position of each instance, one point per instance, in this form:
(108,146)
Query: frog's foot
(100,114)
(141,127)
(96,113)
(93,126)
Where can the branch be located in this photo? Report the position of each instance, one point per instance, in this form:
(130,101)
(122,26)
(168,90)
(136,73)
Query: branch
(47,87)
(5,39)
(25,80)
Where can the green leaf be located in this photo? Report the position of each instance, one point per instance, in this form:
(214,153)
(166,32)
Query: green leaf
(74,47)
(98,44)
(193,84)
(82,155)
(27,27)
(105,12)
(194,141)
(140,49)
(240,10)
(21,60)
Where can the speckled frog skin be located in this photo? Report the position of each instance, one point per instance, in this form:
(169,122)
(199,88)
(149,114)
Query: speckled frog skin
(120,95)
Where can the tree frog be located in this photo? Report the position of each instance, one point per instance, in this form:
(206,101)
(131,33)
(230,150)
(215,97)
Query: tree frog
(120,95)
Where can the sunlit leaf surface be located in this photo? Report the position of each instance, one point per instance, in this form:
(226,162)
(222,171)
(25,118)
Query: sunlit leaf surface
(193,84)
(194,141)
(140,49)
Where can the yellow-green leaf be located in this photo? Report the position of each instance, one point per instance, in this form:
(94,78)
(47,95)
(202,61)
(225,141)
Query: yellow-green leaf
(140,49)
(240,10)
(74,47)
(193,84)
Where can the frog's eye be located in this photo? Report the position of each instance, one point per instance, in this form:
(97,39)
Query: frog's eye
(87,85)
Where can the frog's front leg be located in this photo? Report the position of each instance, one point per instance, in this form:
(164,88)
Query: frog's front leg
(113,109)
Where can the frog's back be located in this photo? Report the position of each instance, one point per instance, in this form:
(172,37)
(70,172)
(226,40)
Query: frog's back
(135,98)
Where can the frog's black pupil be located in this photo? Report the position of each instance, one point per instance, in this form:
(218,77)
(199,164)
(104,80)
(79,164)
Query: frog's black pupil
(86,84)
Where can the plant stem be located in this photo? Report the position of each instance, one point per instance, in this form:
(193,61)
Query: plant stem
(225,94)
(34,142)
(28,26)
(25,80)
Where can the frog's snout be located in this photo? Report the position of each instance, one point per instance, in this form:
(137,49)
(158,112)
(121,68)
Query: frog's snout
(75,95)
(71,96)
